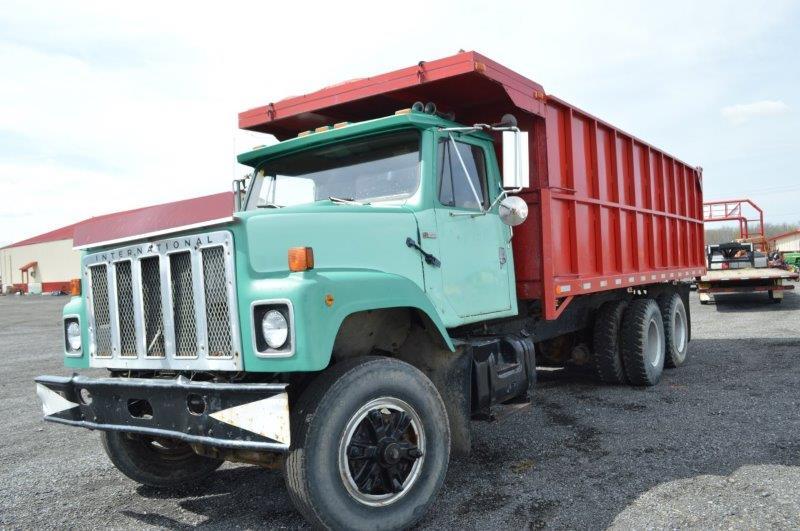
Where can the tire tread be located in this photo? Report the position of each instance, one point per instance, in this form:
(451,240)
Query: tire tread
(633,323)
(150,471)
(308,405)
(294,463)
(666,303)
(608,362)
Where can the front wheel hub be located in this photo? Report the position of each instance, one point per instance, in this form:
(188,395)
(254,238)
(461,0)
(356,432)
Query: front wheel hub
(382,451)
(391,454)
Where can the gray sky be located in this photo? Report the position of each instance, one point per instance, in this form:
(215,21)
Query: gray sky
(107,106)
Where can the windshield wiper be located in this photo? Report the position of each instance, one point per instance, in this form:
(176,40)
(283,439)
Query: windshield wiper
(269,205)
(345,201)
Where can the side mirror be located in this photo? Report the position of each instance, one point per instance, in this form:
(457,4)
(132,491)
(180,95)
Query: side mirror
(513,210)
(515,159)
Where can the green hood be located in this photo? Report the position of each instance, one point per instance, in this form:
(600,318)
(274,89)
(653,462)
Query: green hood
(342,236)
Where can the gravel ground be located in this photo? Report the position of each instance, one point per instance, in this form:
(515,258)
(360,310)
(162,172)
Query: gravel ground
(715,445)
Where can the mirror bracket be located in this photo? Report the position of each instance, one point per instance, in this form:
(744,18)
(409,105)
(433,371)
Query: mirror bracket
(239,189)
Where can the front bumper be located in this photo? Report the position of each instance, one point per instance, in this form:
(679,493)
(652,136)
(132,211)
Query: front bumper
(250,416)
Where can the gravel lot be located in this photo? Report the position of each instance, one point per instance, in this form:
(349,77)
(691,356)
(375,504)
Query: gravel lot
(716,444)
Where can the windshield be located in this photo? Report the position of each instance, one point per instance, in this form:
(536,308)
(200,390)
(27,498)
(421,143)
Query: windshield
(366,170)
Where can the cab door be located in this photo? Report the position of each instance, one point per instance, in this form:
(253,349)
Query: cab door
(473,243)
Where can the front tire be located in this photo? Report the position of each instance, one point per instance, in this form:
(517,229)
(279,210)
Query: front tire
(371,445)
(643,342)
(156,462)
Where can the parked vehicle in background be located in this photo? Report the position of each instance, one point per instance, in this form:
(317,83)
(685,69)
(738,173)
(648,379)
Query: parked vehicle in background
(382,283)
(742,266)
(792,259)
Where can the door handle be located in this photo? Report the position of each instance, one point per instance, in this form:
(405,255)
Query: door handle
(429,258)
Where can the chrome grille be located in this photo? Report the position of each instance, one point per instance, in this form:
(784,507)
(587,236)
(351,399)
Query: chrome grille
(183,316)
(102,316)
(151,307)
(217,310)
(168,304)
(127,323)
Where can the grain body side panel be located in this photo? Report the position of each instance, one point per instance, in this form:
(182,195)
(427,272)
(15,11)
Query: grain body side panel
(619,212)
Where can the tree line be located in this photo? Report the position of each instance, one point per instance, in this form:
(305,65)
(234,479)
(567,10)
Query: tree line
(726,233)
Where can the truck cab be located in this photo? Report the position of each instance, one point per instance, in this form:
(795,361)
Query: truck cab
(393,216)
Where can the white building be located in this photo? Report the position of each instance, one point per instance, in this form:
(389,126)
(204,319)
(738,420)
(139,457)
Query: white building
(48,262)
(786,242)
(43,263)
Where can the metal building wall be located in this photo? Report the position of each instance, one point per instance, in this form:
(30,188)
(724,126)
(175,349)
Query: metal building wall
(788,243)
(57,264)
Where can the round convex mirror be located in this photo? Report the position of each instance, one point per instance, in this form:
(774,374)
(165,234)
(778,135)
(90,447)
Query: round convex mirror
(513,210)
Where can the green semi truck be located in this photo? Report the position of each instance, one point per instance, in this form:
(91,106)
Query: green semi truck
(381,283)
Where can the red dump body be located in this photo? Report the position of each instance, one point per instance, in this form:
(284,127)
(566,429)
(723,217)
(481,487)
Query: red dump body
(607,210)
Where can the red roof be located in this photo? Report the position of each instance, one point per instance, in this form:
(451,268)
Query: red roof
(64,233)
(152,220)
(795,231)
(140,221)
(28,266)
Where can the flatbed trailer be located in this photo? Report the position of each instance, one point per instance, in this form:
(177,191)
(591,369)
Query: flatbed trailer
(749,280)
(743,273)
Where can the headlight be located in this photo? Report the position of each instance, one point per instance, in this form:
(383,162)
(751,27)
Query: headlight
(275,329)
(74,336)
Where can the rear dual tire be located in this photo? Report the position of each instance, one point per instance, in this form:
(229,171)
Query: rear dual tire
(634,341)
(676,329)
(607,342)
(643,342)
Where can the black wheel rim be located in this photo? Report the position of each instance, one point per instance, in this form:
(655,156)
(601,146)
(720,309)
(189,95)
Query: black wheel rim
(381,451)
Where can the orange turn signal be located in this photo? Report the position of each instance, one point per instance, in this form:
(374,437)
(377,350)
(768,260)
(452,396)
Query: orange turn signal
(75,287)
(301,258)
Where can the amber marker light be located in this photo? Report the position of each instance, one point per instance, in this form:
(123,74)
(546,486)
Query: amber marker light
(75,287)
(301,259)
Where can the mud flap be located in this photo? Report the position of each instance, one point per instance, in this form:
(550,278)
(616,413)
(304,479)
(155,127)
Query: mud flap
(451,373)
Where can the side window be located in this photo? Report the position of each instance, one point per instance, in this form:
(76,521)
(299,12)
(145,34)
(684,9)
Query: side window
(454,188)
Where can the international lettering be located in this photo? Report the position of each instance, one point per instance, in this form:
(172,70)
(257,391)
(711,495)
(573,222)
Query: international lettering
(155,247)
